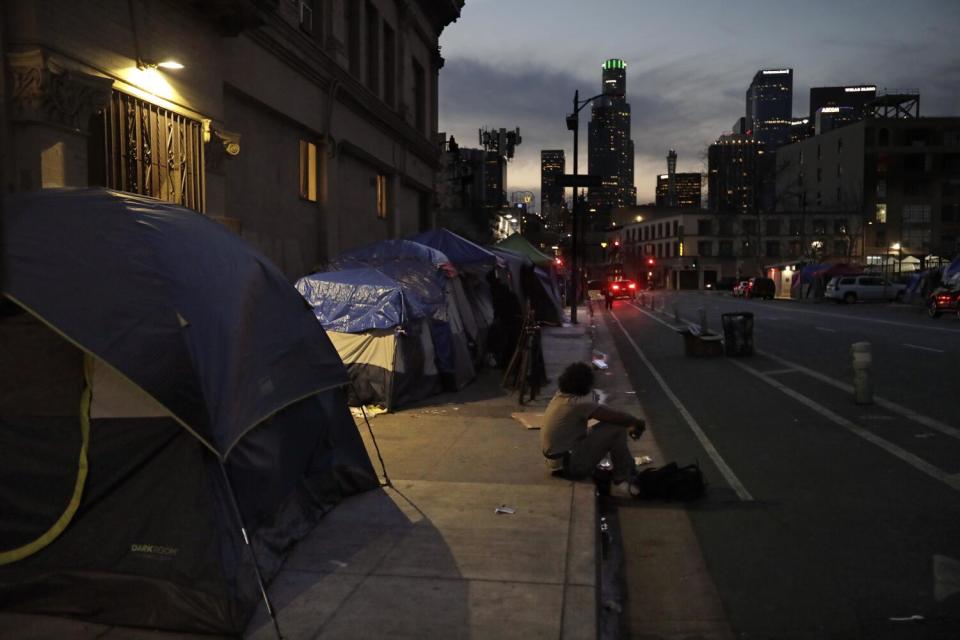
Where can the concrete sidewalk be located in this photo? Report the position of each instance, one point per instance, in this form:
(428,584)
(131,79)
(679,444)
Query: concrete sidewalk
(427,556)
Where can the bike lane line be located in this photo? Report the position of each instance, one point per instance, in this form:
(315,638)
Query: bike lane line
(705,442)
(951,480)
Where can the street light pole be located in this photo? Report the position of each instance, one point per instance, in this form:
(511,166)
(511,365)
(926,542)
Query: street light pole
(573,124)
(575,278)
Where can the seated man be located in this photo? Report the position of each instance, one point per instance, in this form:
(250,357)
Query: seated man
(573,449)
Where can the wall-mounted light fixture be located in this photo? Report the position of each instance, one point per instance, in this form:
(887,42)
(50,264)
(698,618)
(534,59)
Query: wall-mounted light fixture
(168,64)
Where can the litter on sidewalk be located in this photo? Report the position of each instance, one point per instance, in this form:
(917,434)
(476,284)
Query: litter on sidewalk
(642,460)
(505,509)
(370,409)
(528,419)
(913,618)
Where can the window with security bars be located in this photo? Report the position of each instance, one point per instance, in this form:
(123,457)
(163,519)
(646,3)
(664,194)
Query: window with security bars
(142,148)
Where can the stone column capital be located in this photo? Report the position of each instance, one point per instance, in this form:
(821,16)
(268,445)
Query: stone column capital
(46,93)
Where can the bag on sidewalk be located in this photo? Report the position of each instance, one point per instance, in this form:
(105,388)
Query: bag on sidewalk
(669,482)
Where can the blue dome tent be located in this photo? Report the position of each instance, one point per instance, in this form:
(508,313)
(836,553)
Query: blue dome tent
(173,418)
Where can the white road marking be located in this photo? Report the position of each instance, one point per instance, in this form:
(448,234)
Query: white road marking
(951,480)
(916,346)
(777,372)
(827,329)
(725,470)
(909,414)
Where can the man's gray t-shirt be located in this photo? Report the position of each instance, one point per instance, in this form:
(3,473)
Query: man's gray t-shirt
(565,423)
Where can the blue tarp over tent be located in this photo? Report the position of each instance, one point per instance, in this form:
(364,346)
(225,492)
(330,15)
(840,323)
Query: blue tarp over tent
(419,269)
(460,251)
(423,272)
(355,300)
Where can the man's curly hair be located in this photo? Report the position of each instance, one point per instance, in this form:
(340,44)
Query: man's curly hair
(576,379)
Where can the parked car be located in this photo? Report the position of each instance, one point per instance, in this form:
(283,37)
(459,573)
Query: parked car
(941,300)
(622,289)
(763,288)
(740,289)
(849,289)
(725,284)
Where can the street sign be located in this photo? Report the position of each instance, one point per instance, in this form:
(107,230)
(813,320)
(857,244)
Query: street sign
(579,181)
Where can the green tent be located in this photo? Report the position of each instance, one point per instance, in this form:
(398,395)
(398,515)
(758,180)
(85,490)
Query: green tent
(518,243)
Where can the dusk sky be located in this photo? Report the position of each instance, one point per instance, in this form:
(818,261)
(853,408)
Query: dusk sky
(516,63)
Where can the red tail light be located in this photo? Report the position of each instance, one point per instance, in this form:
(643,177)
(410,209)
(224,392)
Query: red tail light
(943,298)
(633,285)
(616,287)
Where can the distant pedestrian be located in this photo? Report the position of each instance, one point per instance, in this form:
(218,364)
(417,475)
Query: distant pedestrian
(571,447)
(608,298)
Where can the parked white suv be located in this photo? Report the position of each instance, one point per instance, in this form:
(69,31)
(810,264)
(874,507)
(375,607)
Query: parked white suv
(849,289)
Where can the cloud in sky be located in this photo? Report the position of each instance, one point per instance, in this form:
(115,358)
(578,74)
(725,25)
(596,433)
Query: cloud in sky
(517,64)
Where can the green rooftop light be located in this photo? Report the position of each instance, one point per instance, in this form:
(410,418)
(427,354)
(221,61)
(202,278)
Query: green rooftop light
(614,63)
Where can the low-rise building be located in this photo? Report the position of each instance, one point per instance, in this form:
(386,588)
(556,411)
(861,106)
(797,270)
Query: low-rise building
(897,178)
(306,126)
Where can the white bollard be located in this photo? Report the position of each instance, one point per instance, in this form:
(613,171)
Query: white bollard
(862,389)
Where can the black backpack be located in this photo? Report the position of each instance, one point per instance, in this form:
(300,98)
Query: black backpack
(669,482)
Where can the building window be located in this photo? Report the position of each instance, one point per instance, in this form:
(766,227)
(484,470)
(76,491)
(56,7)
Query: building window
(819,227)
(703,227)
(796,226)
(705,248)
(389,65)
(773,249)
(881,216)
(139,147)
(308,171)
(819,174)
(839,248)
(373,49)
(726,248)
(840,227)
(307,16)
(773,227)
(881,188)
(353,36)
(383,196)
(419,97)
(916,213)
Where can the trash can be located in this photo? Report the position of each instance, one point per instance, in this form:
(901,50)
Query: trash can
(738,333)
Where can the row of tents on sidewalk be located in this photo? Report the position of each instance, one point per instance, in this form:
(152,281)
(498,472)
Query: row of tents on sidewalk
(413,317)
(173,418)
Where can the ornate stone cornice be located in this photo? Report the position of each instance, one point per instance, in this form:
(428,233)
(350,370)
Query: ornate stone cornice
(46,93)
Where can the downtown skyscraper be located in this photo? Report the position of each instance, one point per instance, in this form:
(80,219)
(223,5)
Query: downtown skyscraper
(609,146)
(770,107)
(552,167)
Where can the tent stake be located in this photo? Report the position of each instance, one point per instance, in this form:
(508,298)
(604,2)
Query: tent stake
(253,555)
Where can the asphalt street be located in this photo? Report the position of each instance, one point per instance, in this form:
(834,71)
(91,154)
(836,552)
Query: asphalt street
(824,518)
